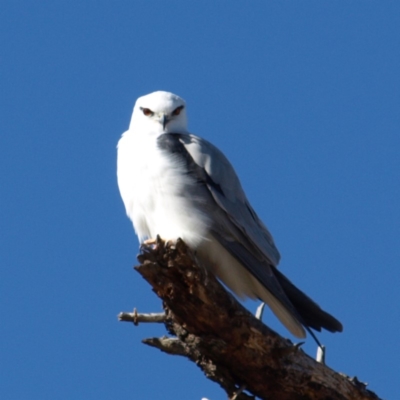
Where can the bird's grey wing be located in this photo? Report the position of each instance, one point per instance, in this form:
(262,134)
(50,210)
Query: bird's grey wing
(234,224)
(226,190)
(237,228)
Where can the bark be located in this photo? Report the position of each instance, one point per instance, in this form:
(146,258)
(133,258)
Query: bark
(231,346)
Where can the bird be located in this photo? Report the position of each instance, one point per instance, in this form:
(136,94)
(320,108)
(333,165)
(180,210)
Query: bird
(178,185)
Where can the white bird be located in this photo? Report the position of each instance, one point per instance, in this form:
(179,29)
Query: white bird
(177,185)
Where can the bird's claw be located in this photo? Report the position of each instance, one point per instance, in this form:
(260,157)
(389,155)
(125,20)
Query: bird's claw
(154,243)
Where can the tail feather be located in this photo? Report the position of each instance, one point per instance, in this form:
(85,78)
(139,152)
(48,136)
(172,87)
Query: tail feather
(312,314)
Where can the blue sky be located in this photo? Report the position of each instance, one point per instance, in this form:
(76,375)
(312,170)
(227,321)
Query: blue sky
(303,97)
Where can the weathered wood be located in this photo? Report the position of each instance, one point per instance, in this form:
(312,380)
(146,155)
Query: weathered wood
(226,341)
(136,318)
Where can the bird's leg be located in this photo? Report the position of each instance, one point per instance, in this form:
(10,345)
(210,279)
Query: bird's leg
(260,311)
(321,351)
(321,354)
(149,242)
(258,315)
(155,242)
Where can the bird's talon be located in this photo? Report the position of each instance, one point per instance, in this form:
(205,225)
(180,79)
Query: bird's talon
(149,243)
(298,345)
(283,352)
(321,352)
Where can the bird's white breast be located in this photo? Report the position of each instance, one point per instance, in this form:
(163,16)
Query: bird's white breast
(153,186)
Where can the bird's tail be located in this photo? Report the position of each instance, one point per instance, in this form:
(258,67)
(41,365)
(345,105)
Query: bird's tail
(311,313)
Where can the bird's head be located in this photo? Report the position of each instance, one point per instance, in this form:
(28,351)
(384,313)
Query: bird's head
(160,112)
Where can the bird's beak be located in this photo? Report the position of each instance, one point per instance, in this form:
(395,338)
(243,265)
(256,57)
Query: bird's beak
(164,120)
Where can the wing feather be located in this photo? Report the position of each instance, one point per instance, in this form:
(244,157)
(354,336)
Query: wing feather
(236,227)
(226,190)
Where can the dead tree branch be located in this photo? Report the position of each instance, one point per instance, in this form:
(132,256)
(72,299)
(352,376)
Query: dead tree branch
(135,317)
(226,341)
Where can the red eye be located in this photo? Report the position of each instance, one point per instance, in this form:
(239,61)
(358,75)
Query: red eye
(177,110)
(147,112)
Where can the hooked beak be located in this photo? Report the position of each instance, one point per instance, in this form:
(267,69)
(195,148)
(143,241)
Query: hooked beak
(164,120)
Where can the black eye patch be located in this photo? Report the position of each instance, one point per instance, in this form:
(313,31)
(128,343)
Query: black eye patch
(177,110)
(146,111)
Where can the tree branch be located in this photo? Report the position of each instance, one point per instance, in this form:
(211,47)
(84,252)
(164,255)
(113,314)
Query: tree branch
(136,318)
(226,341)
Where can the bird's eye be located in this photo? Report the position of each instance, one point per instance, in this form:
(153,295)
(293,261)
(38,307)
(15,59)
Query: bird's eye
(177,110)
(147,112)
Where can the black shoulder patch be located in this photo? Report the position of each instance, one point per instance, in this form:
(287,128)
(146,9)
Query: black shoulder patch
(170,142)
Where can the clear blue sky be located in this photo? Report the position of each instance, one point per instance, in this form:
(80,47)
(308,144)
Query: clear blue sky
(303,97)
